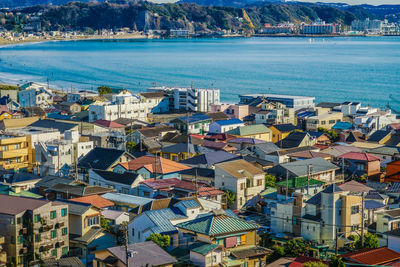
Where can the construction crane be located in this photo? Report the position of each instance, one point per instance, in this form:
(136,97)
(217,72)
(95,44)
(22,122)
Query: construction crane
(247,18)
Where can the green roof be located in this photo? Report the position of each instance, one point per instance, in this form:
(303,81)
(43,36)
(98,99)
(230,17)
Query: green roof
(299,182)
(202,248)
(217,225)
(6,190)
(250,129)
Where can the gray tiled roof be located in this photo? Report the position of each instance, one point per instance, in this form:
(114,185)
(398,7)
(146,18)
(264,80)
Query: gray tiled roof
(100,158)
(300,168)
(145,254)
(162,219)
(53,124)
(126,178)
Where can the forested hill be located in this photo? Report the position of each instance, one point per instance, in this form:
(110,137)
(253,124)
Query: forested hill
(145,15)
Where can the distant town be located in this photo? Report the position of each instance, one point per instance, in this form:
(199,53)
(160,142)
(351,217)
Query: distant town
(174,177)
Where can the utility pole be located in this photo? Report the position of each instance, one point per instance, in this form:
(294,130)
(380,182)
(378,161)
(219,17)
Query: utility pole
(187,132)
(362,219)
(343,169)
(126,245)
(195,180)
(287,184)
(336,241)
(309,172)
(58,159)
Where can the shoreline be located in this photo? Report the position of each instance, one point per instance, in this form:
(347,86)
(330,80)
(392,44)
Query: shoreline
(122,37)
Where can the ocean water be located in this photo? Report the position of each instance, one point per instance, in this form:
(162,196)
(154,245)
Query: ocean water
(363,69)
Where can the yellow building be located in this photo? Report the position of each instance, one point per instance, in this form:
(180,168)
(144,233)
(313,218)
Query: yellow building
(324,120)
(281,131)
(179,151)
(258,131)
(13,152)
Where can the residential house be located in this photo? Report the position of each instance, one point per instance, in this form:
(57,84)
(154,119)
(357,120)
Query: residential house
(394,239)
(393,171)
(163,221)
(385,153)
(236,237)
(205,175)
(360,164)
(110,125)
(152,167)
(281,131)
(34,94)
(240,177)
(158,100)
(320,137)
(62,127)
(387,220)
(296,139)
(382,256)
(309,154)
(96,200)
(205,255)
(369,123)
(183,151)
(208,160)
(260,132)
(115,218)
(282,155)
(234,111)
(13,152)
(67,191)
(225,125)
(126,183)
(16,123)
(128,203)
(315,168)
(85,233)
(156,132)
(299,185)
(100,158)
(140,254)
(380,136)
(325,120)
(195,124)
(48,237)
(295,102)
(63,262)
(68,107)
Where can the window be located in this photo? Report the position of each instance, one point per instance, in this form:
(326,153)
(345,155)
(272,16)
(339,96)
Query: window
(355,209)
(17,146)
(19,239)
(64,212)
(19,220)
(53,233)
(259,182)
(242,186)
(38,238)
(64,231)
(53,214)
(65,251)
(54,252)
(12,221)
(92,221)
(133,232)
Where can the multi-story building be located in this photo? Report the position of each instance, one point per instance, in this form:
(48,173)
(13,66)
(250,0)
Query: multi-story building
(320,27)
(367,25)
(324,120)
(3,253)
(296,102)
(189,98)
(35,95)
(13,152)
(240,177)
(33,229)
(122,105)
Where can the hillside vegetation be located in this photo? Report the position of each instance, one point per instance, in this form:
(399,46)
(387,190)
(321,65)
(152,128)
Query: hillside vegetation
(146,16)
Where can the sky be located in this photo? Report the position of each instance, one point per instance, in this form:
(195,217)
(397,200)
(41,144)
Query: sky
(357,2)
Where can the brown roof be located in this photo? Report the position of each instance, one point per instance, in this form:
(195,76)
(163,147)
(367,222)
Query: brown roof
(19,123)
(14,205)
(237,168)
(95,200)
(354,186)
(393,213)
(155,131)
(149,162)
(218,116)
(156,94)
(160,203)
(309,154)
(372,256)
(108,124)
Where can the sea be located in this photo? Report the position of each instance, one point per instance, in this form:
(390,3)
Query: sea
(365,69)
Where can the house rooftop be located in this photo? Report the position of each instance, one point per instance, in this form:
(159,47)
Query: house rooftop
(239,168)
(250,130)
(354,186)
(285,128)
(229,122)
(126,178)
(19,204)
(101,158)
(359,156)
(95,200)
(210,158)
(154,165)
(372,256)
(109,124)
(54,124)
(300,182)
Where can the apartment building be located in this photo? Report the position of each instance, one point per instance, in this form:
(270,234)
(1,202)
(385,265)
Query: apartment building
(240,177)
(323,119)
(122,105)
(295,102)
(35,95)
(13,152)
(189,98)
(33,229)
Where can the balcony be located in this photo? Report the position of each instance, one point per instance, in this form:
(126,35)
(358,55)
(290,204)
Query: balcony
(46,228)
(16,165)
(14,153)
(23,250)
(252,191)
(46,247)
(59,225)
(60,244)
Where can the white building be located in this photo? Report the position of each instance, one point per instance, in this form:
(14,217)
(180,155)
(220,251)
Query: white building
(35,95)
(122,105)
(367,25)
(78,95)
(225,125)
(372,122)
(191,99)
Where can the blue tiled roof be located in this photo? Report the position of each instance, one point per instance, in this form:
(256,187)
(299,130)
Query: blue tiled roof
(162,219)
(373,204)
(188,204)
(229,122)
(128,199)
(195,118)
(210,158)
(342,125)
(305,114)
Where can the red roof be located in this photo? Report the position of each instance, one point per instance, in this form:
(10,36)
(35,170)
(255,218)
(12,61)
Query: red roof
(300,260)
(372,256)
(395,126)
(322,147)
(359,156)
(95,200)
(160,184)
(108,124)
(209,191)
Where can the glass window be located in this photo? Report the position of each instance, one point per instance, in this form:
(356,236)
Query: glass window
(53,234)
(64,212)
(36,218)
(65,231)
(54,252)
(19,220)
(65,250)
(19,239)
(355,209)
(38,238)
(53,214)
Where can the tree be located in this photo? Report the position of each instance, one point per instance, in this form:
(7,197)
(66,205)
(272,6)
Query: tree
(295,247)
(336,262)
(103,90)
(278,252)
(105,223)
(270,180)
(265,240)
(230,197)
(315,264)
(130,146)
(370,241)
(162,240)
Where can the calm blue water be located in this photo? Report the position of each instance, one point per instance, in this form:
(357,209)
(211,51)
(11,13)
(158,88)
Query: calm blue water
(331,69)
